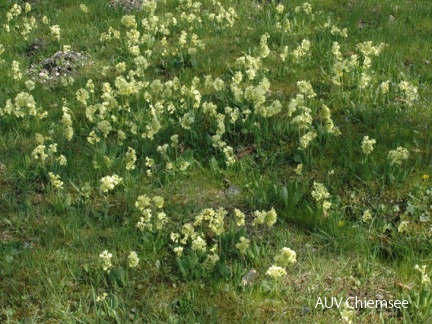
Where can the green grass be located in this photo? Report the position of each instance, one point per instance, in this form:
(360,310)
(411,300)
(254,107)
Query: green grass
(51,237)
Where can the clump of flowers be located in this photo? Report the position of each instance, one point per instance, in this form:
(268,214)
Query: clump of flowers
(347,315)
(367,145)
(243,245)
(152,217)
(276,272)
(105,258)
(425,278)
(286,257)
(55,180)
(367,216)
(130,159)
(47,153)
(410,92)
(328,122)
(67,123)
(16,71)
(101,297)
(306,139)
(398,156)
(320,194)
(265,217)
(109,182)
(133,259)
(403,227)
(214,219)
(84,8)
(239,217)
(55,32)
(302,50)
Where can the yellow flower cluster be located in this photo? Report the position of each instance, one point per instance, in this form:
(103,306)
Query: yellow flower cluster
(67,124)
(276,272)
(239,217)
(152,218)
(282,260)
(251,64)
(109,182)
(243,245)
(130,159)
(24,105)
(42,152)
(211,223)
(264,49)
(410,92)
(214,218)
(105,258)
(110,34)
(265,217)
(16,71)
(286,257)
(341,65)
(367,216)
(425,280)
(320,194)
(328,122)
(55,180)
(225,17)
(302,50)
(367,145)
(84,8)
(306,139)
(398,156)
(55,32)
(133,259)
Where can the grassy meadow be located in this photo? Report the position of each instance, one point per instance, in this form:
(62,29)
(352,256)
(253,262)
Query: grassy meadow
(215,161)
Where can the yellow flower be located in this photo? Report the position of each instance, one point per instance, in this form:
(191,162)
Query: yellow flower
(199,244)
(109,182)
(280,8)
(425,176)
(239,217)
(106,260)
(320,192)
(367,145)
(102,297)
(286,257)
(367,216)
(243,245)
(83,7)
(276,272)
(17,75)
(27,7)
(403,227)
(55,31)
(178,250)
(55,180)
(130,159)
(30,85)
(398,155)
(129,21)
(158,201)
(133,259)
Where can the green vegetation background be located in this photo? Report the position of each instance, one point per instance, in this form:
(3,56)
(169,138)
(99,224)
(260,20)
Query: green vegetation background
(51,238)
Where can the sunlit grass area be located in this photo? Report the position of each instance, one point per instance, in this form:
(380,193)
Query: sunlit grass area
(215,161)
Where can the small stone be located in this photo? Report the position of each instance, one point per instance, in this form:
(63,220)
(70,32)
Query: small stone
(304,310)
(232,191)
(249,278)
